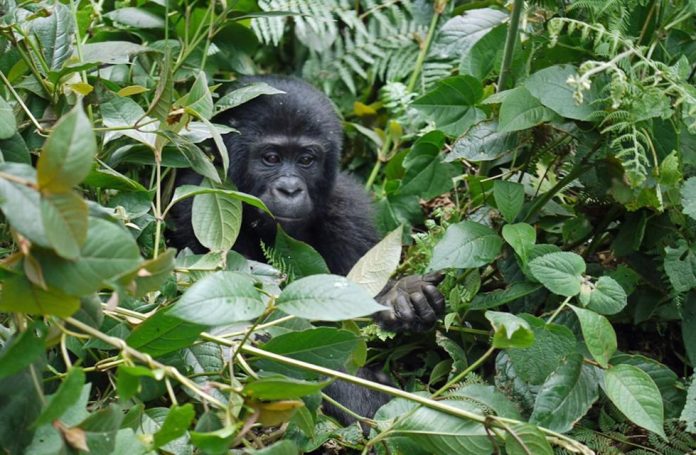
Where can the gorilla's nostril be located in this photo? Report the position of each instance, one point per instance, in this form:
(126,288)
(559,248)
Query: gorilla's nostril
(288,191)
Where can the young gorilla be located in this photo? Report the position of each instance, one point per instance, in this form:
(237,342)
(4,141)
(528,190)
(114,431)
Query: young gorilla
(287,154)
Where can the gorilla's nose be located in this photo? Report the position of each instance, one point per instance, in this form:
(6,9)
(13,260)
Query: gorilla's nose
(288,187)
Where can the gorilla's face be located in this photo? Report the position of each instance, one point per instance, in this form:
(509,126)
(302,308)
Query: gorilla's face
(288,173)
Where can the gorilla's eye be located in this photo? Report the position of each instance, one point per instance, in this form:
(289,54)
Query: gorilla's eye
(306,160)
(271,158)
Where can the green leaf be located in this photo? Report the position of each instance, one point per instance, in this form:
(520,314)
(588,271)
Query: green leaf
(128,119)
(14,148)
(186,191)
(244,94)
(22,296)
(199,100)
(680,266)
(176,423)
(22,350)
(526,439)
(65,221)
(8,124)
(298,258)
(501,297)
(67,156)
(324,346)
(197,159)
(561,272)
(326,298)
(220,298)
(552,342)
(281,388)
(606,297)
(374,269)
(441,433)
(521,237)
(688,197)
(21,206)
(466,245)
(550,86)
(161,334)
(482,142)
(520,110)
(460,33)
(688,415)
(451,104)
(279,448)
(635,394)
(136,18)
(215,442)
(54,33)
(108,251)
(509,330)
(509,197)
(599,335)
(67,394)
(426,175)
(216,220)
(566,395)
(149,275)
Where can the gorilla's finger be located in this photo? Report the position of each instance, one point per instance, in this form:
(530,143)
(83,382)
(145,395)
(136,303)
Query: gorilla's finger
(435,297)
(403,309)
(420,303)
(387,318)
(434,277)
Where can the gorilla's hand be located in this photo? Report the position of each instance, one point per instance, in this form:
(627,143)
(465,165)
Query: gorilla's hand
(414,303)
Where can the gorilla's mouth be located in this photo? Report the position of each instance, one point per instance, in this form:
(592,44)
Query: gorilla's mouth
(289,219)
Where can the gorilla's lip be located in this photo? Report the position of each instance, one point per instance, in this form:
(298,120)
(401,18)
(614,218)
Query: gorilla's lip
(289,218)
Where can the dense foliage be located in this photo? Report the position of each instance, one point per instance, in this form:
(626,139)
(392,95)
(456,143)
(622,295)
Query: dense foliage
(543,153)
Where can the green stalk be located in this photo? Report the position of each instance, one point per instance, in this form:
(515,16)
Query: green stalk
(439,6)
(510,43)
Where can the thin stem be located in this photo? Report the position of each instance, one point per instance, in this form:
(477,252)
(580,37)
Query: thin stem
(464,373)
(378,164)
(559,309)
(413,80)
(510,41)
(21,103)
(158,204)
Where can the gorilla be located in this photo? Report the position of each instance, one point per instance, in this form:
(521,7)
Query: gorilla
(287,154)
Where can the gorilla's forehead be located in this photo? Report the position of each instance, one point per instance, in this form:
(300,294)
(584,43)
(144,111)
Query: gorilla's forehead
(289,141)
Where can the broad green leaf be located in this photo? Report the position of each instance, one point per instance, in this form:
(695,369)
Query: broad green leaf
(162,101)
(279,448)
(379,263)
(488,398)
(566,395)
(149,275)
(520,110)
(482,142)
(486,56)
(466,245)
(552,342)
(132,90)
(244,94)
(67,394)
(161,334)
(21,206)
(216,220)
(606,297)
(324,346)
(451,104)
(109,251)
(500,297)
(460,33)
(599,335)
(101,428)
(509,197)
(509,330)
(219,298)
(688,415)
(67,156)
(136,17)
(299,259)
(128,379)
(426,175)
(176,423)
(54,32)
(550,86)
(198,160)
(561,272)
(14,148)
(526,439)
(215,442)
(680,266)
(186,191)
(441,433)
(8,124)
(635,394)
(112,52)
(326,298)
(22,296)
(521,237)
(688,197)
(22,350)
(273,388)
(64,218)
(128,119)
(199,100)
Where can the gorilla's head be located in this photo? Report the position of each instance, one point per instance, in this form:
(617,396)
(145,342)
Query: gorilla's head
(287,149)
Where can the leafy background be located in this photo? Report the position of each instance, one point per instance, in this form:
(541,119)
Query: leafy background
(541,152)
